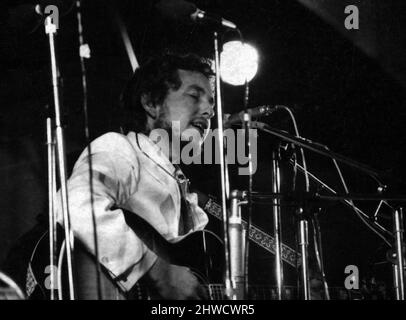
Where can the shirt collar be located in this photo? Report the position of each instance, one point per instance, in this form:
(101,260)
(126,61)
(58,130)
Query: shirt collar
(152,149)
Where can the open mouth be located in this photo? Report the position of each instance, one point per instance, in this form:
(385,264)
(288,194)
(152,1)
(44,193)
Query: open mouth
(201,125)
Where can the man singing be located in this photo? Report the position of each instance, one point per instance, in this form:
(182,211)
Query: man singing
(135,171)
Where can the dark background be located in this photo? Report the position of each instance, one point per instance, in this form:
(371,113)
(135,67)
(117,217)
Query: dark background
(346,87)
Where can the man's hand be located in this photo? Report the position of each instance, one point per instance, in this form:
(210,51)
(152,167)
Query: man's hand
(175,282)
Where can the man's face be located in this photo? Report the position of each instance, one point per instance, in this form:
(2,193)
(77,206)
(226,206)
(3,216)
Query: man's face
(190,107)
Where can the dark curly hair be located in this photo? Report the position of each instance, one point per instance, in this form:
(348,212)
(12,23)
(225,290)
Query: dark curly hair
(155,78)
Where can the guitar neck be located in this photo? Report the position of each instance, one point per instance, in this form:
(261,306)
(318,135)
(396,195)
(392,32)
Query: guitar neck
(261,238)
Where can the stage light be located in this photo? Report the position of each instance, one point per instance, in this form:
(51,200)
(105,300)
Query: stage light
(238,63)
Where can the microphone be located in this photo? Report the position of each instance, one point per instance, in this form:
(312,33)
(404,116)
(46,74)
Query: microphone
(236,234)
(257,112)
(180,9)
(203,16)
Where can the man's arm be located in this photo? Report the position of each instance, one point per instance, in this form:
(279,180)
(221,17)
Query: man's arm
(115,178)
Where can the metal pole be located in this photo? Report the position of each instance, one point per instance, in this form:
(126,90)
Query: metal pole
(276,210)
(223,168)
(399,230)
(50,29)
(395,274)
(304,242)
(51,206)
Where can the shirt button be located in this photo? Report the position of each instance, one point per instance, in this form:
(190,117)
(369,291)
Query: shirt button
(104,259)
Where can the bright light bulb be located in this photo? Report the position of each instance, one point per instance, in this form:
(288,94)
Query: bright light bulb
(238,63)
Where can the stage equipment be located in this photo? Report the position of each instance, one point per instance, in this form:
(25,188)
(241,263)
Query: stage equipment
(237,244)
(84,53)
(28,17)
(276,214)
(238,63)
(125,38)
(187,11)
(304,243)
(303,214)
(399,264)
(51,207)
(257,112)
(51,30)
(246,69)
(398,268)
(276,208)
(229,288)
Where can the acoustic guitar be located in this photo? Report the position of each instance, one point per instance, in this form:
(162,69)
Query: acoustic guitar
(207,264)
(201,251)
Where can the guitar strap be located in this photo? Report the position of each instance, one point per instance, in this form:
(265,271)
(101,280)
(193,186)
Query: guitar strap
(185,220)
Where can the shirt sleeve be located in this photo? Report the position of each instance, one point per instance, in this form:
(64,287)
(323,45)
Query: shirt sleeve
(115,176)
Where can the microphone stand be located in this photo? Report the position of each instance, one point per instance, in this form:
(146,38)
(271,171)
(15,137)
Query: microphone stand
(50,30)
(304,244)
(51,207)
(229,284)
(398,266)
(247,127)
(237,235)
(310,145)
(276,214)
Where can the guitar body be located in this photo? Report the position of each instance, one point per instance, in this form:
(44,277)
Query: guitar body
(201,251)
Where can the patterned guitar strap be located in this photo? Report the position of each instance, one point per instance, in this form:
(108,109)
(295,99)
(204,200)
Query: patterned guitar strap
(185,220)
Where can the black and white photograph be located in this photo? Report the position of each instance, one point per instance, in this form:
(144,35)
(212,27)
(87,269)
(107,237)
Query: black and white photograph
(207,150)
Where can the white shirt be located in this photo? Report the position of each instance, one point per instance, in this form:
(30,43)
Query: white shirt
(124,177)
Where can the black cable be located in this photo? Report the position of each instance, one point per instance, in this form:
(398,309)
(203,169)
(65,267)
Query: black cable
(332,155)
(238,31)
(307,185)
(82,47)
(369,224)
